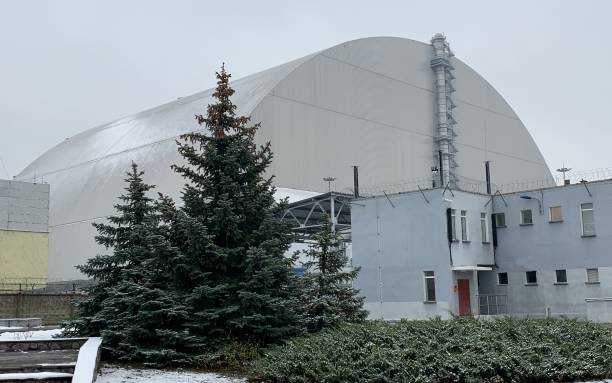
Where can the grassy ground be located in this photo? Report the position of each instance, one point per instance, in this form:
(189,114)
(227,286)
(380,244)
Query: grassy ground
(458,350)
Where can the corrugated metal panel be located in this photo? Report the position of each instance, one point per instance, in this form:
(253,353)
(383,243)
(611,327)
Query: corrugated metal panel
(24,206)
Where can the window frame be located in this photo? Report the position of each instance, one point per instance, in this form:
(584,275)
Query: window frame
(464,226)
(557,281)
(550,210)
(589,282)
(527,283)
(426,278)
(484,227)
(498,279)
(522,220)
(582,210)
(497,225)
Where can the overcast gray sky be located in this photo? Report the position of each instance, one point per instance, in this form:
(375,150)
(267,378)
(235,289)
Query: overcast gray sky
(66,66)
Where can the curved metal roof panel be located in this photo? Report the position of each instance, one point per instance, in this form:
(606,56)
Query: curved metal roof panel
(163,123)
(368,102)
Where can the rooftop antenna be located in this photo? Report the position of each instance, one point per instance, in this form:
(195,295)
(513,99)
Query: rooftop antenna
(564,170)
(329,180)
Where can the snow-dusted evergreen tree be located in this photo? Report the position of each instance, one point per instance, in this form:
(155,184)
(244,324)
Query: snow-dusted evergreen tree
(242,286)
(329,297)
(130,305)
(134,210)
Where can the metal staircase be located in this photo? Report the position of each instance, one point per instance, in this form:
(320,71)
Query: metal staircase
(445,126)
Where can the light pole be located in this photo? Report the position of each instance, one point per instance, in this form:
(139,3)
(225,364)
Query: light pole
(564,170)
(329,180)
(332,207)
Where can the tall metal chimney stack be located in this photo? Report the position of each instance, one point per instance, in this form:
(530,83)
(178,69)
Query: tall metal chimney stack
(488,176)
(356,181)
(445,135)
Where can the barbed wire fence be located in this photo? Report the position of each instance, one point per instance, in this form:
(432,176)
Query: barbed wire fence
(479,186)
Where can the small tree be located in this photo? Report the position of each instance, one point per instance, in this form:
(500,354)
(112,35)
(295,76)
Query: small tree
(130,306)
(240,284)
(327,285)
(134,211)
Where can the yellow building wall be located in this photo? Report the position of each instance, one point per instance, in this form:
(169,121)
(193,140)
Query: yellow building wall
(24,257)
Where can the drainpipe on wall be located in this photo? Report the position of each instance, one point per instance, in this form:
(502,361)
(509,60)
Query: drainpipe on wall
(488,177)
(379,250)
(449,234)
(493,223)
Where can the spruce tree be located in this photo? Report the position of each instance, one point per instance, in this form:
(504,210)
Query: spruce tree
(327,283)
(130,305)
(134,209)
(242,285)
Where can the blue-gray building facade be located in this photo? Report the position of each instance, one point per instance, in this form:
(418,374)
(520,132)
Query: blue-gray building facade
(438,252)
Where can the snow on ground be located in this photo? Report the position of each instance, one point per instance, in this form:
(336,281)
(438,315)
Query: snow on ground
(29,376)
(114,374)
(30,335)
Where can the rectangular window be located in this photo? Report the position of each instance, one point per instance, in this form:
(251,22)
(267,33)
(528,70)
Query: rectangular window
(464,229)
(430,286)
(554,214)
(560,276)
(453,224)
(484,227)
(502,278)
(500,220)
(531,277)
(592,275)
(526,217)
(588,219)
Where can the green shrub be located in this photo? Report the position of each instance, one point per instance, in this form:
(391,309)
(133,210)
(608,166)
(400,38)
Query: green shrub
(457,350)
(233,357)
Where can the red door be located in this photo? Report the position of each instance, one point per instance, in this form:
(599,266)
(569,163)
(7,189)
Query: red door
(463,293)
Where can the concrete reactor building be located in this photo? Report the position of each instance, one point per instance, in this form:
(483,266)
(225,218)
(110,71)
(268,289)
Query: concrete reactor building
(400,110)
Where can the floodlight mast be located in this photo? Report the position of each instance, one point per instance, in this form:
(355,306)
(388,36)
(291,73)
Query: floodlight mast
(332,206)
(564,170)
(329,180)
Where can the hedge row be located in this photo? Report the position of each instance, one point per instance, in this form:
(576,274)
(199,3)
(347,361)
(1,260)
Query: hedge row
(458,350)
